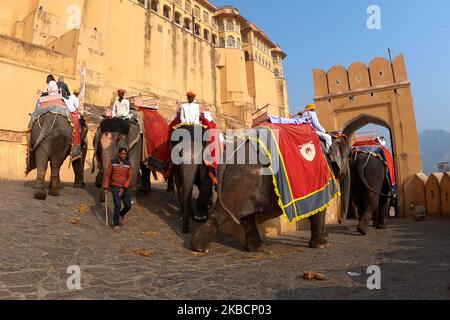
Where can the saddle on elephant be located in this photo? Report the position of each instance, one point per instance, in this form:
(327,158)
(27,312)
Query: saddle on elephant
(376,149)
(56,105)
(302,177)
(212,162)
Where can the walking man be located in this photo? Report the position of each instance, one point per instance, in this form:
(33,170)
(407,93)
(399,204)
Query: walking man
(118,179)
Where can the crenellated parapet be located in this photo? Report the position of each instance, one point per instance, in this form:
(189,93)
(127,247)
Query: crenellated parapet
(359,78)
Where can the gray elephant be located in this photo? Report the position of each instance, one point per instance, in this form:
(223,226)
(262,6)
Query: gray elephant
(190,171)
(247,196)
(50,139)
(112,135)
(117,133)
(338,157)
(371,191)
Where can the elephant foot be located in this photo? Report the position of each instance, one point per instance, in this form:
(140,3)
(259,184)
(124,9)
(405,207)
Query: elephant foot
(383,225)
(40,194)
(81,185)
(319,244)
(364,225)
(54,192)
(255,246)
(326,235)
(203,237)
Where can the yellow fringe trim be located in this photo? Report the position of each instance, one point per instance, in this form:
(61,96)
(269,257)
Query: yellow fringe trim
(278,193)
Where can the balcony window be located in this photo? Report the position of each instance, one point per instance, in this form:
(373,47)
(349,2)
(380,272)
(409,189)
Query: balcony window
(166,11)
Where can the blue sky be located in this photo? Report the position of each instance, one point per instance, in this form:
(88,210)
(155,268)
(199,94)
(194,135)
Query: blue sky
(322,33)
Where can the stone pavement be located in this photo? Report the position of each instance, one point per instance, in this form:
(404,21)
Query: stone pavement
(150,259)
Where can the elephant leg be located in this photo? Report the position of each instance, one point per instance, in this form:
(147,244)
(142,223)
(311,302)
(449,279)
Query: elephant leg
(55,183)
(253,241)
(99,179)
(202,208)
(78,170)
(365,219)
(382,221)
(170,185)
(318,234)
(188,177)
(145,179)
(42,163)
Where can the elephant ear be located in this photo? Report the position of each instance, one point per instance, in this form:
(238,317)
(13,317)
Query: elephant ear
(134,135)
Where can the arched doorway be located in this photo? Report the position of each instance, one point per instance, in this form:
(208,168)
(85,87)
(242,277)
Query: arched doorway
(380,94)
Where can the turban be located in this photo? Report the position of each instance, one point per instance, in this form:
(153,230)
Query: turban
(310,107)
(120,91)
(190,94)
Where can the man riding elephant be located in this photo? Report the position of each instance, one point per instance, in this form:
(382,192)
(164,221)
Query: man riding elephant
(144,133)
(195,155)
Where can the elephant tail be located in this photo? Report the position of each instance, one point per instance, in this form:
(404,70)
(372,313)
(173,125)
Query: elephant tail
(219,197)
(362,176)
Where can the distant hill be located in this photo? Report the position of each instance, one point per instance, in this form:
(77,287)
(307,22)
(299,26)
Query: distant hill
(435,147)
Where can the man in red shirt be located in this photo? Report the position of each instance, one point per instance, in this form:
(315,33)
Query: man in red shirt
(118,179)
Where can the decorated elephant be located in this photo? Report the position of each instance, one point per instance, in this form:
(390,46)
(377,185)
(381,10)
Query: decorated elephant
(112,135)
(51,139)
(190,171)
(247,197)
(371,191)
(117,133)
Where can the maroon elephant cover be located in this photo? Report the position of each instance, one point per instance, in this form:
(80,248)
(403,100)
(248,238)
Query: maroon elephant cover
(156,136)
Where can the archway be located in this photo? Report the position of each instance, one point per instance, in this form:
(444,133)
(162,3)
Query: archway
(348,99)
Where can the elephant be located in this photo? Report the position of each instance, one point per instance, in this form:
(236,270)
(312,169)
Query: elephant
(119,134)
(190,171)
(338,156)
(247,196)
(106,146)
(50,140)
(370,191)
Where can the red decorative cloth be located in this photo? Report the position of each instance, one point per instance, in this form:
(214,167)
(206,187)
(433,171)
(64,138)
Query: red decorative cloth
(303,182)
(156,136)
(375,147)
(76,127)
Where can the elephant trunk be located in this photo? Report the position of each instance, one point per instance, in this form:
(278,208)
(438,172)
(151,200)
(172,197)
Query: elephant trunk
(344,182)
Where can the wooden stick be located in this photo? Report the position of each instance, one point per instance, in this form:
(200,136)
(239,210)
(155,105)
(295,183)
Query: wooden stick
(106,209)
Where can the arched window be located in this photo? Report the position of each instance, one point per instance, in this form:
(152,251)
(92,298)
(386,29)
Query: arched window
(238,43)
(178,18)
(231,42)
(187,24)
(197,29)
(247,56)
(214,39)
(206,35)
(166,11)
(222,42)
(277,73)
(154,6)
(230,25)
